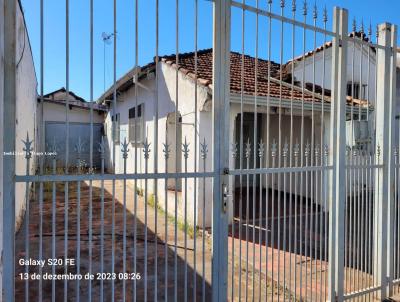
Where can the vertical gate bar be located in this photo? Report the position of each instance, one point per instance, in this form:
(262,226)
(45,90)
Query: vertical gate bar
(155,157)
(247,155)
(53,227)
(291,158)
(267,144)
(9,146)
(255,148)
(312,150)
(185,151)
(337,159)
(370,245)
(307,240)
(41,78)
(302,236)
(166,151)
(27,216)
(220,112)
(284,155)
(102,155)
(66,185)
(273,155)
(390,162)
(91,153)
(384,139)
(203,149)
(324,212)
(241,157)
(349,193)
(146,151)
(135,188)
(261,155)
(195,203)
(296,199)
(124,156)
(78,224)
(280,144)
(114,125)
(176,149)
(346,221)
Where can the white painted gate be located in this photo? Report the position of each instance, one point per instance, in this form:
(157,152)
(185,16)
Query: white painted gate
(295,213)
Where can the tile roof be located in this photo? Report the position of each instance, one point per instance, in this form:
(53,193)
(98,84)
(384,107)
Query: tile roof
(265,87)
(275,86)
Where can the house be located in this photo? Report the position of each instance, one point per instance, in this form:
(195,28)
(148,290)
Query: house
(54,111)
(185,116)
(361,84)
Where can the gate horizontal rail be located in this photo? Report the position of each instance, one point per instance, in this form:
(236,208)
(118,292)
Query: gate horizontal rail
(82,177)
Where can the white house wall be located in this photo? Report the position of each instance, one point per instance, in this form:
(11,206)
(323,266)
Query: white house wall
(26,108)
(166,105)
(56,113)
(327,80)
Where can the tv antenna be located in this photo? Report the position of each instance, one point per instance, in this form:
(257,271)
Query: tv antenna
(106,41)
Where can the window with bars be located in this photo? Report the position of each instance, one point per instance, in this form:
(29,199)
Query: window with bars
(136,124)
(357,91)
(116,128)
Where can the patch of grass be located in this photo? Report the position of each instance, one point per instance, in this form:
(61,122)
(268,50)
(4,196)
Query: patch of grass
(184,227)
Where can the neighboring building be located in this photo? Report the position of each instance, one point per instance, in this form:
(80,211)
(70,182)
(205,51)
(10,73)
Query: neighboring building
(316,67)
(54,122)
(139,108)
(26,85)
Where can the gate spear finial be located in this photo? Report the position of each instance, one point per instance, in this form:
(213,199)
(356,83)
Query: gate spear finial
(146,150)
(203,149)
(261,149)
(28,149)
(325,15)
(305,8)
(315,12)
(185,149)
(234,150)
(125,149)
(248,149)
(166,150)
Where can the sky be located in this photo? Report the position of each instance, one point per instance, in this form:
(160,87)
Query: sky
(54,34)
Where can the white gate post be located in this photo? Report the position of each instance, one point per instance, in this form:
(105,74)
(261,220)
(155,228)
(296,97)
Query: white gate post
(391,180)
(384,176)
(8,120)
(221,96)
(337,185)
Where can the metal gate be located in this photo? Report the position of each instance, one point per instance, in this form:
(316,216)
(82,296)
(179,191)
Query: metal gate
(283,186)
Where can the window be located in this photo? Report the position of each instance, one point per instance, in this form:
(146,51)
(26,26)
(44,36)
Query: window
(136,124)
(116,127)
(356,87)
(364,91)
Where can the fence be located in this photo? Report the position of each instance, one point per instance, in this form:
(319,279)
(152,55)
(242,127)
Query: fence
(299,170)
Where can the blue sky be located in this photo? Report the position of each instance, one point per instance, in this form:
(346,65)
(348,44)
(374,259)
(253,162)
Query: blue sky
(54,34)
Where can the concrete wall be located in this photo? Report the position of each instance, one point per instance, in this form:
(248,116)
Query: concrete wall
(25,120)
(25,109)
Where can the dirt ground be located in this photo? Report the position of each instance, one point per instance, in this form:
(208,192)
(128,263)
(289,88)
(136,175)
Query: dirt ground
(157,253)
(158,247)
